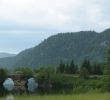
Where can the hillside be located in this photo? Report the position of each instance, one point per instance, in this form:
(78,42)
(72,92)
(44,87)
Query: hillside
(64,46)
(3,55)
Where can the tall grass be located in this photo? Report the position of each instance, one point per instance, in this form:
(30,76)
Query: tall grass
(90,96)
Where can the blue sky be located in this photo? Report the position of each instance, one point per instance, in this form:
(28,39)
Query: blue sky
(25,23)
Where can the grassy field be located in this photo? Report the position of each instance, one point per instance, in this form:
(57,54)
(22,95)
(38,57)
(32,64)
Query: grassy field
(105,96)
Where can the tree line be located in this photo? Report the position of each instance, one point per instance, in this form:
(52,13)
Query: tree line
(85,67)
(67,77)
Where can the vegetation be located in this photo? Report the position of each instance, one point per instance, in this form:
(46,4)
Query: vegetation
(107,73)
(27,72)
(3,76)
(94,96)
(65,47)
(67,77)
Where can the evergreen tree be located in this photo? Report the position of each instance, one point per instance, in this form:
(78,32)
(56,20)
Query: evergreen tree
(107,73)
(3,76)
(87,65)
(72,67)
(84,74)
(67,69)
(61,68)
(97,69)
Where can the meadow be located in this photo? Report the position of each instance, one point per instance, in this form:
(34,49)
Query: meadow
(90,96)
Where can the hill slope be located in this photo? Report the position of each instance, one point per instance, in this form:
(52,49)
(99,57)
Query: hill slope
(3,55)
(67,46)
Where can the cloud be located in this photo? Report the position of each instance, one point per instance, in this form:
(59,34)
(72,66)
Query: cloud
(34,20)
(53,14)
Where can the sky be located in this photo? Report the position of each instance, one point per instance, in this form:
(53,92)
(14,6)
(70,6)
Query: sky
(26,23)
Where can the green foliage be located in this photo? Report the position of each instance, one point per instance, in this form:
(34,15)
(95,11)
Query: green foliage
(109,56)
(25,70)
(64,79)
(68,46)
(61,68)
(45,72)
(85,69)
(84,74)
(3,73)
(3,76)
(72,68)
(97,69)
(69,68)
(87,65)
(107,74)
(59,83)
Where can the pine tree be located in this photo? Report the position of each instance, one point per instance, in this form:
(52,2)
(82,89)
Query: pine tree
(3,76)
(72,67)
(86,64)
(61,68)
(83,73)
(67,69)
(97,69)
(107,73)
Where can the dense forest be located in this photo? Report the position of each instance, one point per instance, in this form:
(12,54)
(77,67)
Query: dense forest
(62,64)
(66,78)
(75,46)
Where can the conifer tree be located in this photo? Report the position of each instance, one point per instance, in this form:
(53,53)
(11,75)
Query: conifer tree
(72,67)
(107,73)
(87,65)
(61,68)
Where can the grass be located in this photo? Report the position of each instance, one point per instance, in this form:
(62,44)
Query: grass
(105,96)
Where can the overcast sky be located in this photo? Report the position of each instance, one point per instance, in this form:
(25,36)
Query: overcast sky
(25,23)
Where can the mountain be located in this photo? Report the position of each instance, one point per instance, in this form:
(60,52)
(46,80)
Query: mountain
(63,46)
(3,55)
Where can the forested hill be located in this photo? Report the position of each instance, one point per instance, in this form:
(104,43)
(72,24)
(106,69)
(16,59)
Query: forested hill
(64,46)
